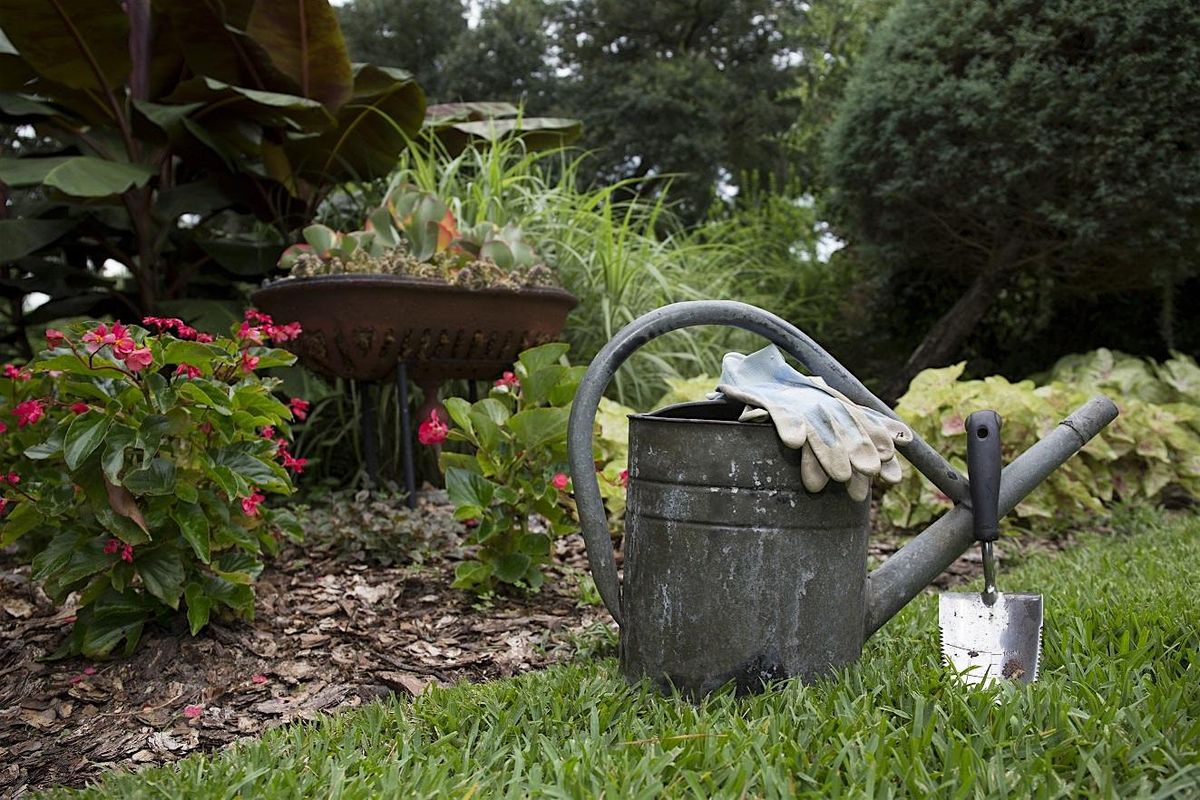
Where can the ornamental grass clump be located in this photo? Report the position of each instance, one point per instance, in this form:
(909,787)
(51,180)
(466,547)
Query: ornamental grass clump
(136,461)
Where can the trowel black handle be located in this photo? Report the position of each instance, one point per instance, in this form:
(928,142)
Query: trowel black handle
(983,471)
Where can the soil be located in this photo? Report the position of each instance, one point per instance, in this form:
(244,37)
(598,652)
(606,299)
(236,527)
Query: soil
(327,635)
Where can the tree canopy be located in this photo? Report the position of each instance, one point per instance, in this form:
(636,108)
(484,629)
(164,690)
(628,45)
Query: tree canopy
(984,141)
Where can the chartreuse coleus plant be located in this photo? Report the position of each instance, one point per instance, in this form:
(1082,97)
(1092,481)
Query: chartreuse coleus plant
(135,465)
(515,472)
(1154,443)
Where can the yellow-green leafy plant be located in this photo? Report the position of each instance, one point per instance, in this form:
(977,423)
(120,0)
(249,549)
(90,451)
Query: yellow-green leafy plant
(1154,443)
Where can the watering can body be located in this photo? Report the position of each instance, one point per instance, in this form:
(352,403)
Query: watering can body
(733,572)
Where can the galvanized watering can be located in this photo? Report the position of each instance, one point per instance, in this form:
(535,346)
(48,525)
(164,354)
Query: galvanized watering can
(733,572)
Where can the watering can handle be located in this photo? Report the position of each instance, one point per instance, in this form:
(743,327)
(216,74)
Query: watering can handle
(685,315)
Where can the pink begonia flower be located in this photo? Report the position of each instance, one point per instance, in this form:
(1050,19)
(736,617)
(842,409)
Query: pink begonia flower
(28,412)
(192,712)
(161,323)
(268,432)
(123,347)
(54,338)
(250,504)
(560,480)
(203,338)
(138,360)
(16,374)
(249,362)
(249,333)
(3,427)
(80,408)
(112,546)
(508,379)
(188,371)
(432,431)
(3,504)
(127,553)
(284,333)
(12,478)
(258,679)
(624,477)
(299,408)
(256,317)
(95,338)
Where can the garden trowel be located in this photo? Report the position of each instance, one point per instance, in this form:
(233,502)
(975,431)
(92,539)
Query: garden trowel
(989,636)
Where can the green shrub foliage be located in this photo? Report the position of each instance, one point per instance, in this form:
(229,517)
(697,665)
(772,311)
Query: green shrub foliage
(1153,444)
(983,144)
(135,465)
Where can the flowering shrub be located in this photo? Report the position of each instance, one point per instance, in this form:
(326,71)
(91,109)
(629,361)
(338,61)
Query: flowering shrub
(135,461)
(516,472)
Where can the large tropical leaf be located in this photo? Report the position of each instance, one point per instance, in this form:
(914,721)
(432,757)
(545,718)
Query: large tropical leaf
(303,40)
(78,176)
(20,237)
(269,108)
(458,125)
(373,128)
(212,38)
(14,72)
(83,44)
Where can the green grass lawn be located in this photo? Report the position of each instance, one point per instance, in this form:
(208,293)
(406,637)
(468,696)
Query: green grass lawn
(1115,714)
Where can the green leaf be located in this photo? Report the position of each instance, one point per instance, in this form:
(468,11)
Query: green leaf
(470,574)
(20,521)
(82,44)
(54,555)
(535,358)
(468,491)
(157,477)
(238,567)
(20,237)
(460,412)
(536,385)
(204,396)
(243,258)
(511,567)
(199,605)
(49,448)
(86,433)
(257,399)
(254,470)
(537,427)
(162,572)
(119,438)
(78,176)
(193,524)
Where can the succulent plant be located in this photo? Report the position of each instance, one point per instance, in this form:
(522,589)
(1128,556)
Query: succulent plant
(416,234)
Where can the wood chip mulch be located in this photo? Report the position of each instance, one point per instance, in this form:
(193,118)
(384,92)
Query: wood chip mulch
(326,635)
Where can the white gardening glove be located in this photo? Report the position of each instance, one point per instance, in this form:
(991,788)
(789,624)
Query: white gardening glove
(839,439)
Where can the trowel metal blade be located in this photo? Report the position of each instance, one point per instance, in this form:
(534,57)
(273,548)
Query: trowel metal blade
(985,643)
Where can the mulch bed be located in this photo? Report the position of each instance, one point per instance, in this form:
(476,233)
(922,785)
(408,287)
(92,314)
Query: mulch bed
(327,635)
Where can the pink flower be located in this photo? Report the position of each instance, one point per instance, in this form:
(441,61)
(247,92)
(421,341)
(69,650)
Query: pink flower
(95,338)
(16,374)
(296,464)
(432,431)
(268,432)
(248,333)
(127,553)
(54,338)
(560,480)
(138,360)
(203,338)
(3,504)
(258,679)
(624,477)
(112,546)
(206,428)
(250,504)
(192,712)
(161,323)
(188,371)
(186,331)
(471,523)
(508,379)
(12,478)
(80,408)
(249,362)
(28,412)
(256,317)
(89,670)
(299,408)
(284,333)
(3,427)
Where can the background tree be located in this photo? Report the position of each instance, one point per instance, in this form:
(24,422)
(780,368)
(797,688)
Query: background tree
(415,35)
(1021,147)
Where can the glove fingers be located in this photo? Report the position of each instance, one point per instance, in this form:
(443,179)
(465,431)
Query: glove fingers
(831,451)
(750,413)
(890,471)
(811,474)
(858,487)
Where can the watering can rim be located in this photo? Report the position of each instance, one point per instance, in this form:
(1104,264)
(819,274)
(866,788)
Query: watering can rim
(657,415)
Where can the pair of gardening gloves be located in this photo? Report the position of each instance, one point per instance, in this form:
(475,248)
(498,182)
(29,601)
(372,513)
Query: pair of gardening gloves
(839,440)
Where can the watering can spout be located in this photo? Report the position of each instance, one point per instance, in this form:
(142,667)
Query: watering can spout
(899,579)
